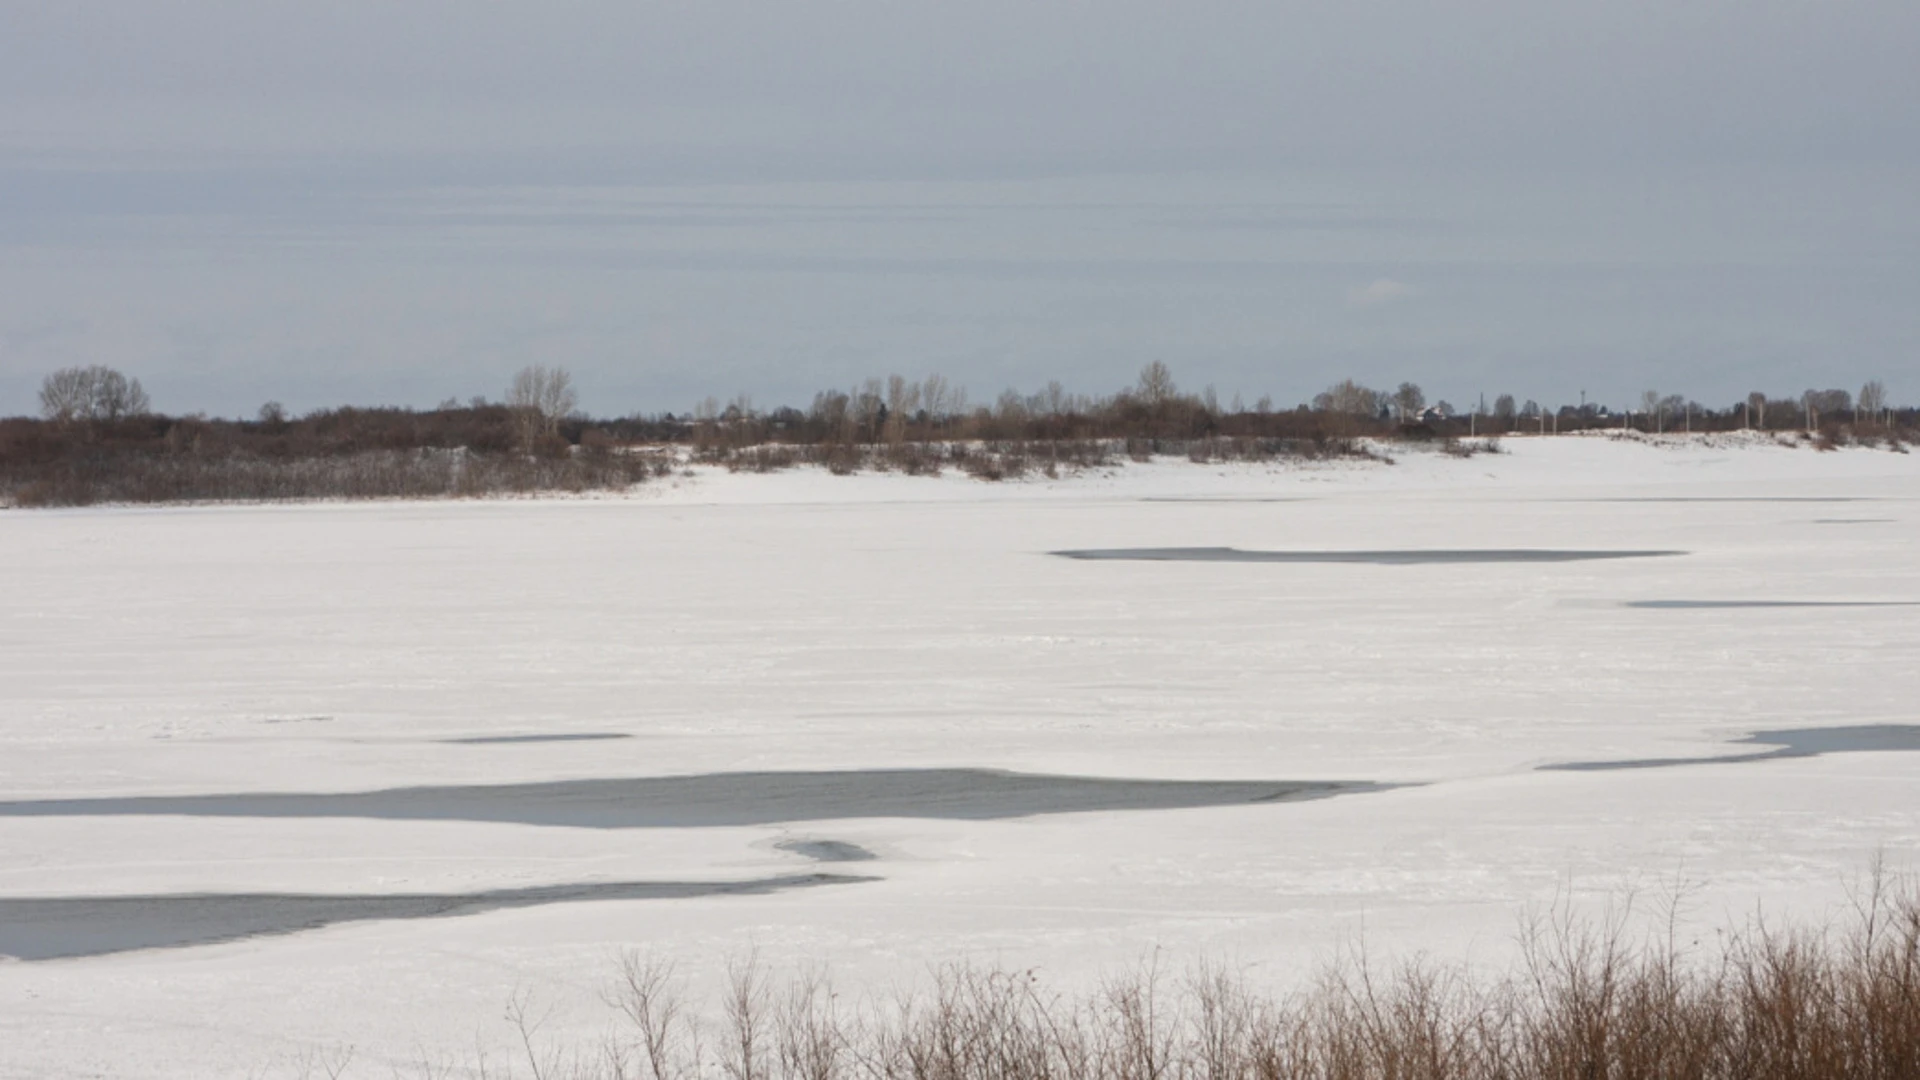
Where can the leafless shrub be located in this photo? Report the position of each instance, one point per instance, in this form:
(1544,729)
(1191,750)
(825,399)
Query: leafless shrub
(761,459)
(1255,448)
(841,459)
(914,459)
(809,1032)
(743,1056)
(998,461)
(649,998)
(1587,1000)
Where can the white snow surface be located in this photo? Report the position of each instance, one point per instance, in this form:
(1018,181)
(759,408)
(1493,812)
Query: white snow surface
(802,621)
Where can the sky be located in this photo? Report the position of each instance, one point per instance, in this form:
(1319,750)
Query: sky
(404,201)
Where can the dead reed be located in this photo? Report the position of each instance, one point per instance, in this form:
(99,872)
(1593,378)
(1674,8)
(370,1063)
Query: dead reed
(1584,1002)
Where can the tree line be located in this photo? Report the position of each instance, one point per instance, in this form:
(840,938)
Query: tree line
(98,439)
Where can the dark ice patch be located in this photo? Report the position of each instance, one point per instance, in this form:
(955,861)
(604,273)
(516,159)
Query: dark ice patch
(1789,743)
(62,927)
(721,799)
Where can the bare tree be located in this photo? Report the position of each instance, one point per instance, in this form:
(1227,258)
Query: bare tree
(903,400)
(869,405)
(1156,385)
(1819,403)
(116,396)
(91,393)
(936,398)
(1350,398)
(1409,399)
(1011,409)
(66,395)
(1872,401)
(1054,400)
(540,398)
(832,412)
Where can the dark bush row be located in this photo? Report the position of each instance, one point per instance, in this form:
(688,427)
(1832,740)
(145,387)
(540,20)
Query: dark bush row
(1012,459)
(484,448)
(339,453)
(137,478)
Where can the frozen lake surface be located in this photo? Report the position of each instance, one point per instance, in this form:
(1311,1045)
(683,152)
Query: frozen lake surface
(290,743)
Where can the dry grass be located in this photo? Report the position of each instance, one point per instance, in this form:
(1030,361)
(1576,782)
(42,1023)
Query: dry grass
(1584,1003)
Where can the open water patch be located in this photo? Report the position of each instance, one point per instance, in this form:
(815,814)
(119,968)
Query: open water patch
(497,740)
(722,799)
(1410,557)
(66,927)
(1787,743)
(833,851)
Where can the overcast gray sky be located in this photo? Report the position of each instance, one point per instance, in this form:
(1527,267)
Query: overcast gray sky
(405,200)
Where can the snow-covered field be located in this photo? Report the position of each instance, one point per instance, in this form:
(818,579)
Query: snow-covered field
(801,621)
